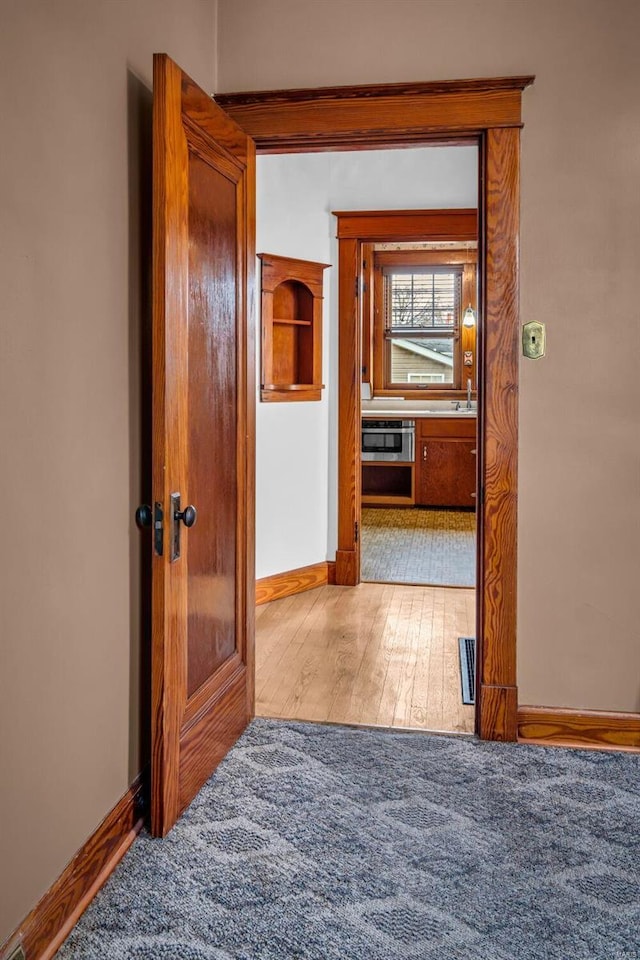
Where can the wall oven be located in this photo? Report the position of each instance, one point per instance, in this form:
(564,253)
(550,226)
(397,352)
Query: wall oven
(388,440)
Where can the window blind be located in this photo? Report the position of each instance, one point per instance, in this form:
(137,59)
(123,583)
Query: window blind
(421,299)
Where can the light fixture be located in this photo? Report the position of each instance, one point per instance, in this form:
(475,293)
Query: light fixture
(469,318)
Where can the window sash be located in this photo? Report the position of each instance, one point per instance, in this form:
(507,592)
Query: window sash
(431,294)
(449,379)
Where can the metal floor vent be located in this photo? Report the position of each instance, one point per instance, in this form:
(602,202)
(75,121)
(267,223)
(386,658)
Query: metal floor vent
(16,954)
(467,647)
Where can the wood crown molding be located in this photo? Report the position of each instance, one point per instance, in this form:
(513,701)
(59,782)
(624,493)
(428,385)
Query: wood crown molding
(50,922)
(586,729)
(281,585)
(373,90)
(348,117)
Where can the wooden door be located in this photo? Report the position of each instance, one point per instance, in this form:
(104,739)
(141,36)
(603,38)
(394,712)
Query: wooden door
(447,473)
(203,436)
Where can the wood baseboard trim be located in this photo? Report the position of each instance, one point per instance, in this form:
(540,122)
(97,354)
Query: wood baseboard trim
(295,581)
(47,926)
(586,729)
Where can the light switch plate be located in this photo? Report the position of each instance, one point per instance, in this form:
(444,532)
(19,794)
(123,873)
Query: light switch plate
(533,340)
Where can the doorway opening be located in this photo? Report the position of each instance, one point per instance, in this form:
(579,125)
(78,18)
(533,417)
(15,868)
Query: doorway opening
(419,321)
(386,652)
(488,112)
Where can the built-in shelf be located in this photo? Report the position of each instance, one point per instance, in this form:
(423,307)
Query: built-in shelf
(388,483)
(298,323)
(291,328)
(292,386)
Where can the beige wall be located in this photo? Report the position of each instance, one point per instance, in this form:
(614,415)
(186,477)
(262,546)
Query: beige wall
(579,601)
(75,80)
(75,77)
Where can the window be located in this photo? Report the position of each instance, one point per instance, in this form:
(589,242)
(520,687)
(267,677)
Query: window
(425,378)
(419,343)
(421,325)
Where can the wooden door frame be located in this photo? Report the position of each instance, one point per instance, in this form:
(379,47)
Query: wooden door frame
(487,112)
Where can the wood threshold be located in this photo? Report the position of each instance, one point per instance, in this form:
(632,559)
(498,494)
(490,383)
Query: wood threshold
(584,729)
(280,585)
(49,924)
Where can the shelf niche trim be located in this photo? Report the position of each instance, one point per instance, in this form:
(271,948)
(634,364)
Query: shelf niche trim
(292,295)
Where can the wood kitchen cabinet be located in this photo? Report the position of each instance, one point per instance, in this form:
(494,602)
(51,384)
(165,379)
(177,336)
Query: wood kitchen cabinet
(446,462)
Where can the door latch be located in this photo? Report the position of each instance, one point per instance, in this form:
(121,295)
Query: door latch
(188,516)
(146,517)
(158,534)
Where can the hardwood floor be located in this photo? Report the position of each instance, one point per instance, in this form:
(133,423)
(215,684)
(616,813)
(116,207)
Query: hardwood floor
(377,654)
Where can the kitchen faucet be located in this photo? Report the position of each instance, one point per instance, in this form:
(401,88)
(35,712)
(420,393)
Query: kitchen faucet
(469,393)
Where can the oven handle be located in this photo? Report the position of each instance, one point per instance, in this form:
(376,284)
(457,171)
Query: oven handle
(389,430)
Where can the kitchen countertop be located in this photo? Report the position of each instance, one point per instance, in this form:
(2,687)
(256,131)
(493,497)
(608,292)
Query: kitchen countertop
(384,409)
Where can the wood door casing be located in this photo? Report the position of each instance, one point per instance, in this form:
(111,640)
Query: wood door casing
(203,435)
(485,111)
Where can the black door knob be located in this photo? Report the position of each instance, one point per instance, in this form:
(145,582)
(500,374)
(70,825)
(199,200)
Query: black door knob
(188,516)
(144,515)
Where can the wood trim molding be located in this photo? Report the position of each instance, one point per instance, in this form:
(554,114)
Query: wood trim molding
(586,729)
(496,711)
(370,91)
(349,413)
(42,933)
(281,585)
(389,258)
(374,115)
(407,225)
(498,356)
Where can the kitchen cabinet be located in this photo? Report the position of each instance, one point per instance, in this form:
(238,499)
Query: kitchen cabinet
(446,462)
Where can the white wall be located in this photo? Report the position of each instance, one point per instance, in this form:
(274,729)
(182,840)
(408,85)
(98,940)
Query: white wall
(296,468)
(291,438)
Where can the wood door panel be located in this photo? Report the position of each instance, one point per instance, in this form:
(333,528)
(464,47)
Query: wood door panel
(206,741)
(203,435)
(447,473)
(211,554)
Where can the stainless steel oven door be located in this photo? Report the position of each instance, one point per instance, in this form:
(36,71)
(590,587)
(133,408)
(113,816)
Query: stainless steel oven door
(390,442)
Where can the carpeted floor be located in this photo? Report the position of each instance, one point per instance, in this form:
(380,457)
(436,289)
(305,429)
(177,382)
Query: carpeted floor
(419,545)
(328,843)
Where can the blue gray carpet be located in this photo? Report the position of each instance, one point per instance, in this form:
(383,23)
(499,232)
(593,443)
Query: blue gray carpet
(327,843)
(419,545)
